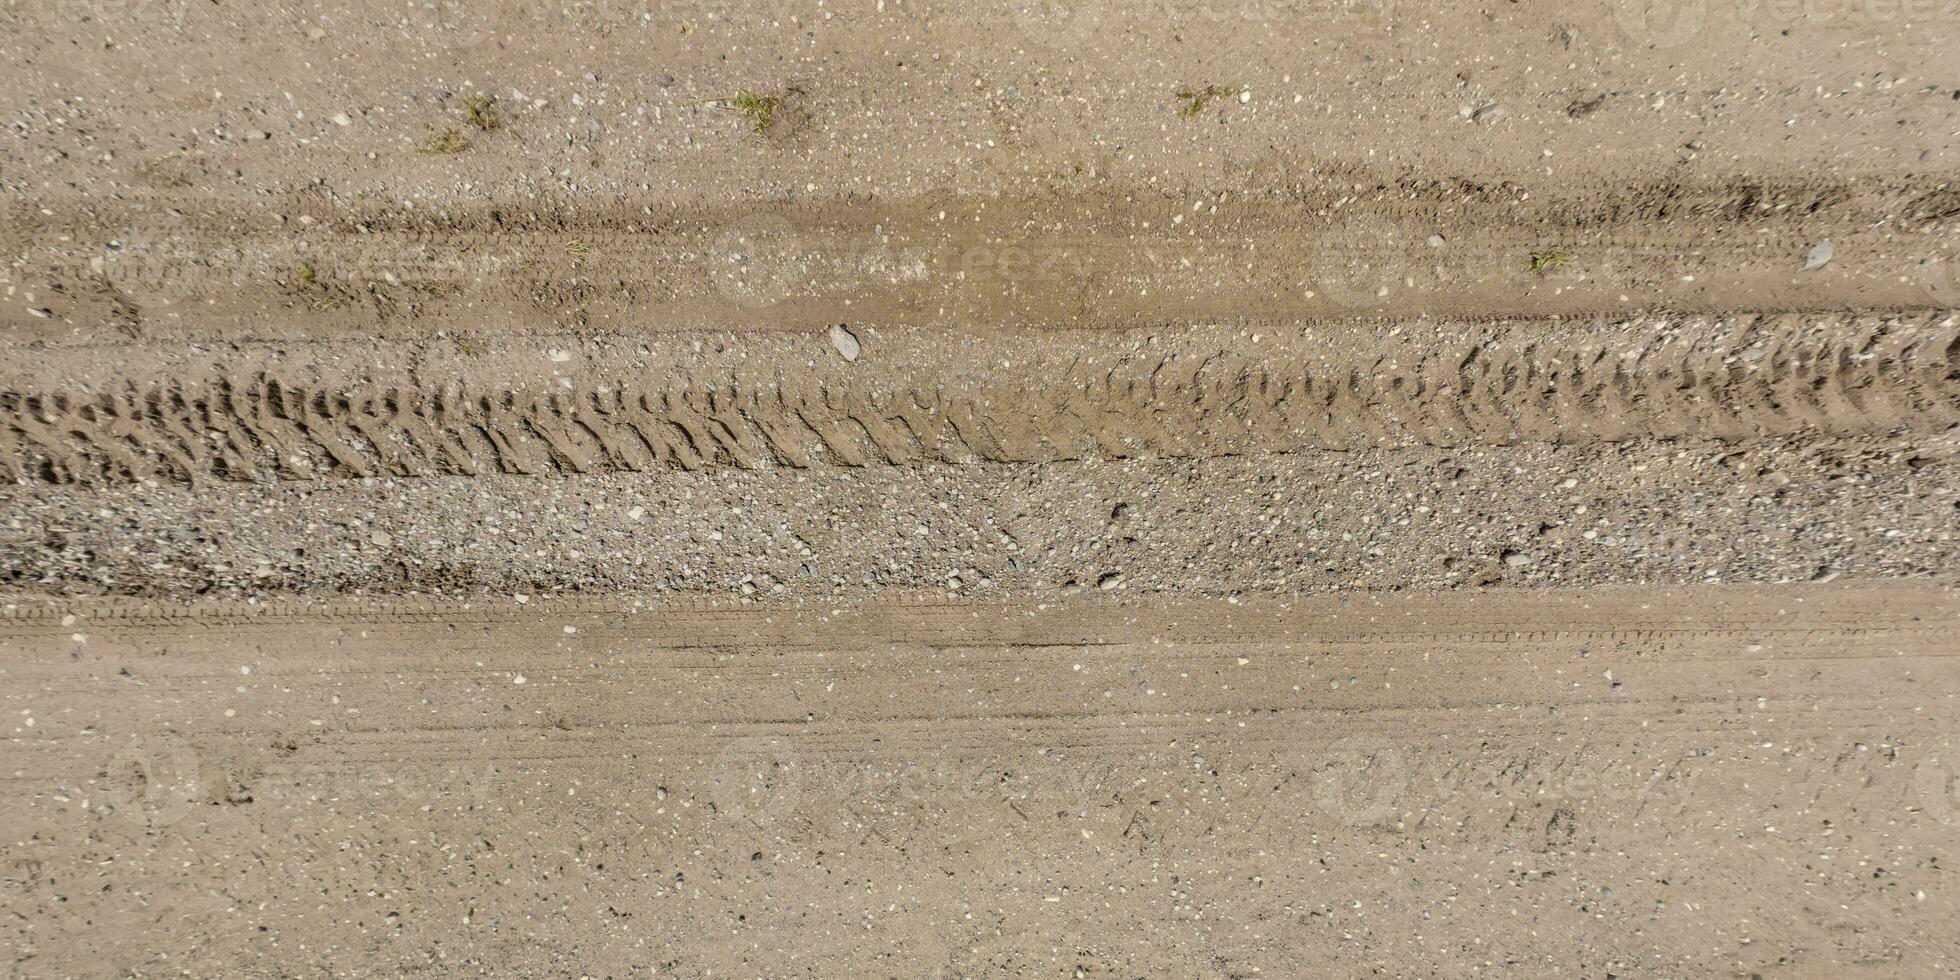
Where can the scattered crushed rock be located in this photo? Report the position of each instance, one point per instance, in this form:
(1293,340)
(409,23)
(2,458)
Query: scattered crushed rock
(1403,519)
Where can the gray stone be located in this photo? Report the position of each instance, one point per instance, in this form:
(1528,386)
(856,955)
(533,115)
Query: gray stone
(845,341)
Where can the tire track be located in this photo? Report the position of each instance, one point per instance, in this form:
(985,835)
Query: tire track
(1748,378)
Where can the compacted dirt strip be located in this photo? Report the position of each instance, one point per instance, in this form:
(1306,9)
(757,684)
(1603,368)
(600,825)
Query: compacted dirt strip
(1630,782)
(1289,240)
(481,169)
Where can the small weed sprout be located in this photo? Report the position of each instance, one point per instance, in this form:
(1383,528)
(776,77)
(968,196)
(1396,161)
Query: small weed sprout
(480,111)
(443,143)
(761,108)
(1196,99)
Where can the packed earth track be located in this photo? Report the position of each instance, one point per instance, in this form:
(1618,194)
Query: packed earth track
(909,488)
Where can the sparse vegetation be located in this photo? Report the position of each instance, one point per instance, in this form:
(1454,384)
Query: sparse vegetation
(578,249)
(480,111)
(1196,99)
(443,143)
(479,114)
(1544,261)
(308,275)
(762,109)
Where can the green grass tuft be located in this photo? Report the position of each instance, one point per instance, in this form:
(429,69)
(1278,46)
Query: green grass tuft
(761,109)
(1543,261)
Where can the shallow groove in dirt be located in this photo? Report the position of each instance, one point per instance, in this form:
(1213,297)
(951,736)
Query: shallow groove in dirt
(1287,240)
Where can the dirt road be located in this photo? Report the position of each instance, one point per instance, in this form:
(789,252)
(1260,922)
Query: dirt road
(895,488)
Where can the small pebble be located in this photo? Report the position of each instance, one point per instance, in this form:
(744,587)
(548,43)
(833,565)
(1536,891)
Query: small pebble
(1820,255)
(845,341)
